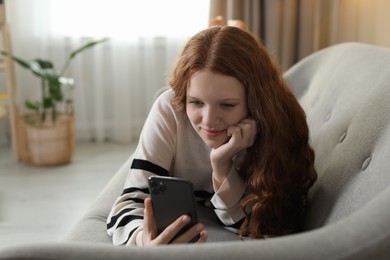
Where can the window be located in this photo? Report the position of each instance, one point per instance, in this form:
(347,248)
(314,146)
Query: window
(128,18)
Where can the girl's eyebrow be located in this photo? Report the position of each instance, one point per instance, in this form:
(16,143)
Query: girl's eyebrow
(222,99)
(234,100)
(230,99)
(192,98)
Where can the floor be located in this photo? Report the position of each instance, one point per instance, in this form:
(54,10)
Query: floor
(42,204)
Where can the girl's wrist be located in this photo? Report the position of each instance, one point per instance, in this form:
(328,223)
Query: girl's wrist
(221,171)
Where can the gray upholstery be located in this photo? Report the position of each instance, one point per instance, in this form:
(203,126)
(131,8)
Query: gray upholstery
(348,112)
(345,91)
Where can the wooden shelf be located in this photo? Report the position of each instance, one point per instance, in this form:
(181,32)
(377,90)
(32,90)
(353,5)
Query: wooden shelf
(7,67)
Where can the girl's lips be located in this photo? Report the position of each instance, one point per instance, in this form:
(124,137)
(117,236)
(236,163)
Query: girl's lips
(212,133)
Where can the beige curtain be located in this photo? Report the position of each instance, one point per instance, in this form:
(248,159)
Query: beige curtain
(291,29)
(364,21)
(248,11)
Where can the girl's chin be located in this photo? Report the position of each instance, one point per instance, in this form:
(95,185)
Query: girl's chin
(214,144)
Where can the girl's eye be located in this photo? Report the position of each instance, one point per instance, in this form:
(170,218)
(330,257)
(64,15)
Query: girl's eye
(195,102)
(228,105)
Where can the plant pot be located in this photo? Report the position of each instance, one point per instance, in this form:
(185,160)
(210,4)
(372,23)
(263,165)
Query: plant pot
(47,144)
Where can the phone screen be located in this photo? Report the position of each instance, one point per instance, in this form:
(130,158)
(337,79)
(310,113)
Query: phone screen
(172,198)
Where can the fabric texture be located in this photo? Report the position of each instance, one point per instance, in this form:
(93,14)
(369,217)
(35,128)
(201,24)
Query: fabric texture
(348,114)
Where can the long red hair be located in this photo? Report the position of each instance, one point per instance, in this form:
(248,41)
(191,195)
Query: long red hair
(279,167)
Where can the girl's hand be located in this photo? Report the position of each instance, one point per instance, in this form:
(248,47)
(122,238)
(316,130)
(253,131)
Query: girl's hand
(242,136)
(150,237)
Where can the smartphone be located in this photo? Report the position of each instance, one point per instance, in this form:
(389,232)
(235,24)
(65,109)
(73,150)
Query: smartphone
(171,198)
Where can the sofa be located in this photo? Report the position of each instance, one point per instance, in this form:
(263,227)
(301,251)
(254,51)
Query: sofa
(345,92)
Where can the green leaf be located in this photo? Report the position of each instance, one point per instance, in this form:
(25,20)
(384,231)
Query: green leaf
(55,90)
(24,63)
(48,102)
(51,75)
(36,66)
(77,51)
(86,46)
(44,64)
(37,70)
(32,105)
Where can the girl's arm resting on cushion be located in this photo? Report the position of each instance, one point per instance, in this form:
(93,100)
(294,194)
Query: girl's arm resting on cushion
(125,220)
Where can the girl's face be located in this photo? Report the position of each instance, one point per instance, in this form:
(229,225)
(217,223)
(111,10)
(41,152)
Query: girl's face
(215,102)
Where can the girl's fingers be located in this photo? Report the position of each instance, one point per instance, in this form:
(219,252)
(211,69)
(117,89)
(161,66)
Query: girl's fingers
(235,131)
(149,234)
(248,130)
(170,232)
(203,237)
(190,234)
(149,225)
(244,132)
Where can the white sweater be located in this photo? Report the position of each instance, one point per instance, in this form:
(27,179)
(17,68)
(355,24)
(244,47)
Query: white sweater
(169,145)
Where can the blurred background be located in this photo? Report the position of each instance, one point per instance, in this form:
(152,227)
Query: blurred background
(115,82)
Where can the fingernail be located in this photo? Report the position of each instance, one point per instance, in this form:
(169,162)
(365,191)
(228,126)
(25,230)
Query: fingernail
(185,218)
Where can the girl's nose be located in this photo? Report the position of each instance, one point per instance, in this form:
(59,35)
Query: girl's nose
(210,116)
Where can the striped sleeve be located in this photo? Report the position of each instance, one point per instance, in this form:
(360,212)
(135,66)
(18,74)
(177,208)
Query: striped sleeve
(153,156)
(126,217)
(124,222)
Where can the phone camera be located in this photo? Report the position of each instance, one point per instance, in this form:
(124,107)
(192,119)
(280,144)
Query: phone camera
(158,187)
(162,187)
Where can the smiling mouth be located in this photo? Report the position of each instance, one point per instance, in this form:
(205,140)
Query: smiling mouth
(212,133)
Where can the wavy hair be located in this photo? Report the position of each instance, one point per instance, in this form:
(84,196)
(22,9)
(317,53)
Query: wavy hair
(279,167)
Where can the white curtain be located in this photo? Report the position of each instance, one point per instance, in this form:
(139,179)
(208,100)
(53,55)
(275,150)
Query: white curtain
(115,82)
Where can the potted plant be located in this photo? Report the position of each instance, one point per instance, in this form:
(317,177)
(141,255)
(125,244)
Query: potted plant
(46,133)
